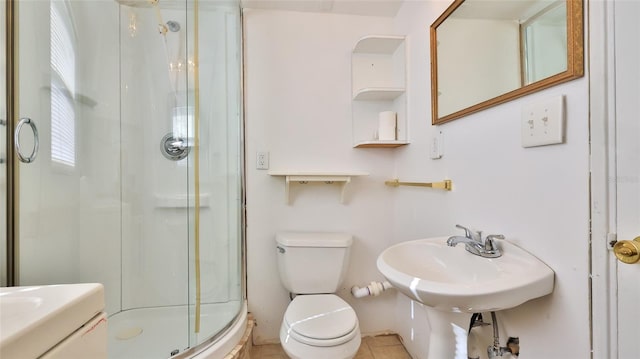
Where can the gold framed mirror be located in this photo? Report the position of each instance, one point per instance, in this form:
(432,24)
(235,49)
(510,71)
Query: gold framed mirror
(487,52)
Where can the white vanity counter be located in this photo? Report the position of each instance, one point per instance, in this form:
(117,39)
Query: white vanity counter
(53,321)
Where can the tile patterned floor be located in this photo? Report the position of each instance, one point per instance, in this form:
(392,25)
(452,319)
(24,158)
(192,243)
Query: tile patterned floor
(380,347)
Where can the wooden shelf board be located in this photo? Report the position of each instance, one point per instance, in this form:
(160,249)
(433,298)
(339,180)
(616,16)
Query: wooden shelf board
(329,177)
(380,144)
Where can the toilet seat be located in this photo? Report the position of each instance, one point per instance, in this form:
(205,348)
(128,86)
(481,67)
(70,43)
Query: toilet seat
(320,320)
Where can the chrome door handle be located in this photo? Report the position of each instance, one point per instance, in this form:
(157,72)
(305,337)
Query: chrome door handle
(36,142)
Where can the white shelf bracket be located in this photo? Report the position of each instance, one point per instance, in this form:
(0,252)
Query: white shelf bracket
(287,182)
(304,178)
(344,188)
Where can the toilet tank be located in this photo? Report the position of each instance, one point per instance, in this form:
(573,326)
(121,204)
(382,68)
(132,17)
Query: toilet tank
(311,263)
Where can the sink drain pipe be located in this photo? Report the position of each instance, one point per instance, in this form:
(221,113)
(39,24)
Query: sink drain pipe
(373,289)
(477,321)
(495,350)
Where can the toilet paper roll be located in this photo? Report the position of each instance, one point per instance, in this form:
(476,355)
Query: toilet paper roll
(387,126)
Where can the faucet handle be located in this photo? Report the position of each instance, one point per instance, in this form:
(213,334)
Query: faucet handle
(467,231)
(489,241)
(494,236)
(475,235)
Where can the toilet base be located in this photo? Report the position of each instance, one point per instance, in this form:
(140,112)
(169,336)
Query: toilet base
(297,350)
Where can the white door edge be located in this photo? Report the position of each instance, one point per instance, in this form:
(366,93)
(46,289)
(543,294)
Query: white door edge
(603,206)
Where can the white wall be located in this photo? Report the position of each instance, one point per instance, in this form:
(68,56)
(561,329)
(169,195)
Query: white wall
(297,103)
(297,107)
(537,197)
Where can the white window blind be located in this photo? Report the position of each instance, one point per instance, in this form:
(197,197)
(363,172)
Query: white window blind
(63,82)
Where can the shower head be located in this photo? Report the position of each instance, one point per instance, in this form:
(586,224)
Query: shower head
(173,26)
(170,25)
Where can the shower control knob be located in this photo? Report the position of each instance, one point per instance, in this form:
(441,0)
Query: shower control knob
(174,148)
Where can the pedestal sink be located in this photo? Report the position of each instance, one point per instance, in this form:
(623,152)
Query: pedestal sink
(452,279)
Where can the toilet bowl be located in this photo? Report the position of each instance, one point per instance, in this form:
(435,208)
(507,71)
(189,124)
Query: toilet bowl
(316,325)
(320,326)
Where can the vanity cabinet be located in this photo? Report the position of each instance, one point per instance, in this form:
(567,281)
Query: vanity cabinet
(378,79)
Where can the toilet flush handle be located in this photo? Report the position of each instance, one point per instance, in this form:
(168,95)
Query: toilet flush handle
(280,249)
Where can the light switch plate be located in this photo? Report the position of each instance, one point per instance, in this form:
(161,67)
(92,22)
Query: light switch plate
(436,148)
(543,122)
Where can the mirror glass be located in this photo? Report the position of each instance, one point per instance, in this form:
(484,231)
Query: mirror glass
(544,43)
(486,52)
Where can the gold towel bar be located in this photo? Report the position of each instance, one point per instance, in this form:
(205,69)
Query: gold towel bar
(445,185)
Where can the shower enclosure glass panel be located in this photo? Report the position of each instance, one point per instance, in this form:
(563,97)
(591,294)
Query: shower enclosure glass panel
(137,181)
(69,194)
(213,92)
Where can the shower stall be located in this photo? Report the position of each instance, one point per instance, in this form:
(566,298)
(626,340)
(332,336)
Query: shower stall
(121,162)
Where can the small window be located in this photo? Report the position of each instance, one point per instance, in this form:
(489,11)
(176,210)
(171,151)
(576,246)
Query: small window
(63,86)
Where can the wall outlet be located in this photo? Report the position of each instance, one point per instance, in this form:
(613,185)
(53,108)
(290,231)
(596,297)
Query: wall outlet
(262,160)
(543,122)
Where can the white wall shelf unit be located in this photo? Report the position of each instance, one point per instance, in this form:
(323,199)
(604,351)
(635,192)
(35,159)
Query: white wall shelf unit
(329,177)
(378,81)
(378,94)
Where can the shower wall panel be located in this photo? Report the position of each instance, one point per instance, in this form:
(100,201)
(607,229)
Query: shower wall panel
(155,237)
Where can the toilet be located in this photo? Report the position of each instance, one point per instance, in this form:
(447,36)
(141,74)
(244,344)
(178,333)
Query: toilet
(317,323)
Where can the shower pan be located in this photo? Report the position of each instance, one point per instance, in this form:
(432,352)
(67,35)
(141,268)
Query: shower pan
(131,110)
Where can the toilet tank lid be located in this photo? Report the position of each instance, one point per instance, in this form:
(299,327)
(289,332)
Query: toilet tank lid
(314,239)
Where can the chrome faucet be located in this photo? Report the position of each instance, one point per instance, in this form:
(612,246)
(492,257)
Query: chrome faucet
(474,243)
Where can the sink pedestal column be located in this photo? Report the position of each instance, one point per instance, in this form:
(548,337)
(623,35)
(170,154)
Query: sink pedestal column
(448,338)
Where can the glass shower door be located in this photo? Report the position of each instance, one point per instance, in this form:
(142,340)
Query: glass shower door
(157,144)
(69,189)
(215,253)
(181,165)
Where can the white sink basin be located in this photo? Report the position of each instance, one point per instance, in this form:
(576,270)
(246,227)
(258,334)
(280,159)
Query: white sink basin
(34,319)
(452,279)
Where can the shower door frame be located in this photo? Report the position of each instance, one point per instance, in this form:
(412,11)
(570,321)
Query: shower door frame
(12,173)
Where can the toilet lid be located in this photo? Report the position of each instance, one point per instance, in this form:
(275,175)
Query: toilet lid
(320,317)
